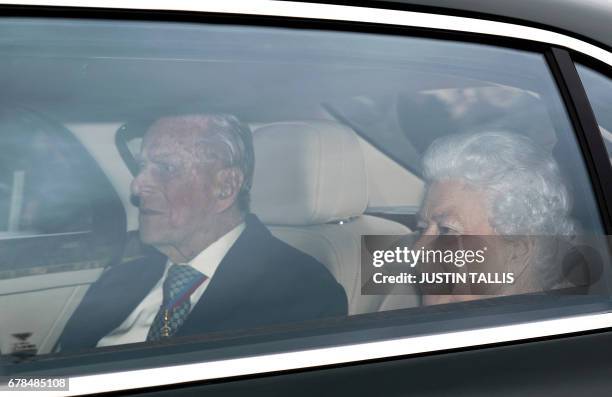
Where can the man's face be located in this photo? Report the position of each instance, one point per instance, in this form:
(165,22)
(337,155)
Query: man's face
(175,188)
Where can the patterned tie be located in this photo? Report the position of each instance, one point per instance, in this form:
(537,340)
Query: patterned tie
(180,282)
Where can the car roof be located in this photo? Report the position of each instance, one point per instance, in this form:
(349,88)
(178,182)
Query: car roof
(588,20)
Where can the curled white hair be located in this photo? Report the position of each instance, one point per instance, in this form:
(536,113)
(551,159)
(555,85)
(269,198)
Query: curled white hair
(525,190)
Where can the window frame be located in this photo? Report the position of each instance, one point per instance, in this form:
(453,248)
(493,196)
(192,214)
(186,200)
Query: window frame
(585,126)
(556,48)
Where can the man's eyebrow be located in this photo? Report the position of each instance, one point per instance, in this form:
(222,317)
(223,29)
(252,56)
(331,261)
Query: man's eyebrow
(164,157)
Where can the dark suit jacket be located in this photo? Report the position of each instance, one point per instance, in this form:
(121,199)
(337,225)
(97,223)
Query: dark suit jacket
(261,281)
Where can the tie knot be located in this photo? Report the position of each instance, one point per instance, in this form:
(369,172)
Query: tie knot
(178,280)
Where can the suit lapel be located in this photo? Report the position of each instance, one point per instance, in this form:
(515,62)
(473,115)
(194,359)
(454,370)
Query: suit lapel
(139,284)
(110,301)
(239,271)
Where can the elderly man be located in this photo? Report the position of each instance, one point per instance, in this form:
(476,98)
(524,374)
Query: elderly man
(500,185)
(221,269)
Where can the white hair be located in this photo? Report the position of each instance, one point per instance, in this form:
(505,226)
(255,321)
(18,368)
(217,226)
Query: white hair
(235,148)
(525,190)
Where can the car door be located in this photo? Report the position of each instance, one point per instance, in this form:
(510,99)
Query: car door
(392,85)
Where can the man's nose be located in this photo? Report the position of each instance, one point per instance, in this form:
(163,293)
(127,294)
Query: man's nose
(135,185)
(141,184)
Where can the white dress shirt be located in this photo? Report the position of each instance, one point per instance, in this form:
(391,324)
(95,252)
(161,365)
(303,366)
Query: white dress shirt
(135,327)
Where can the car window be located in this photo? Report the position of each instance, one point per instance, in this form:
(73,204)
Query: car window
(43,192)
(261,189)
(599,91)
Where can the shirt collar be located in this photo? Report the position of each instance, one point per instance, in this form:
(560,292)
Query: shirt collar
(207,261)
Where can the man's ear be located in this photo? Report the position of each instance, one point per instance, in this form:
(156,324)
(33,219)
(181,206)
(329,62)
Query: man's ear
(228,183)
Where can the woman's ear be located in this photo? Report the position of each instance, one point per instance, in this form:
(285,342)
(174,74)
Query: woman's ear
(522,251)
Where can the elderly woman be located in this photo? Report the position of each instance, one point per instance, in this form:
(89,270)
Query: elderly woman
(497,184)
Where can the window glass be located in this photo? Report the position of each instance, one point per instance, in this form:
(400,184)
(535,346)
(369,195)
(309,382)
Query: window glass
(250,187)
(43,191)
(599,91)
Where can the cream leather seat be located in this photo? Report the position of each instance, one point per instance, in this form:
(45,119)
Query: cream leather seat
(310,188)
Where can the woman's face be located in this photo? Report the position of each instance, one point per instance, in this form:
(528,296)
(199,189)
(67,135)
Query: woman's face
(452,207)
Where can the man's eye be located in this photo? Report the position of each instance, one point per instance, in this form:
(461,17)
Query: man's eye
(167,168)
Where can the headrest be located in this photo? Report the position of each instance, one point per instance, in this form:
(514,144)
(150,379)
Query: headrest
(307,172)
